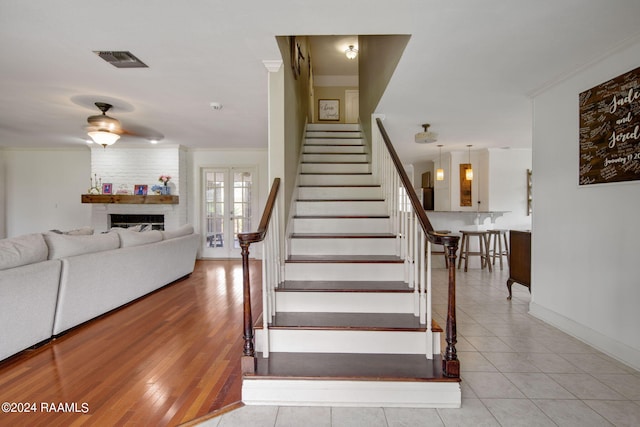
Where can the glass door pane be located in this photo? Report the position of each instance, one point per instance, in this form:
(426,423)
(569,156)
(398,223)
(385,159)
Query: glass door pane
(214,209)
(242,195)
(228,197)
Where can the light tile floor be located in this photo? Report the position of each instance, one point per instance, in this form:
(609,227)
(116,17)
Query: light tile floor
(516,371)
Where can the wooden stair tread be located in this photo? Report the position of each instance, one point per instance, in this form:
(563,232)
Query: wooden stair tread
(345,366)
(387,259)
(340,200)
(339,216)
(335,153)
(351,321)
(342,286)
(343,236)
(335,163)
(335,173)
(340,186)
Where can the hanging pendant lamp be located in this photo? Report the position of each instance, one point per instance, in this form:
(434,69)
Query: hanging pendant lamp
(469,171)
(440,171)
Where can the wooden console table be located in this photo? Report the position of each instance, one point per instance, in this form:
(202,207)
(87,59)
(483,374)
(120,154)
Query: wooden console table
(130,199)
(519,259)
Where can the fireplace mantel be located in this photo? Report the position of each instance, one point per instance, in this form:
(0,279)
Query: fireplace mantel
(131,199)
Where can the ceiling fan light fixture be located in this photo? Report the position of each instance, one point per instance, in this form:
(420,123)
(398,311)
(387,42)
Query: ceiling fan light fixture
(426,137)
(104,138)
(351,52)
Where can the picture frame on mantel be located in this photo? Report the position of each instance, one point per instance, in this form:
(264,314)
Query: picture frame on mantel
(329,110)
(140,190)
(107,188)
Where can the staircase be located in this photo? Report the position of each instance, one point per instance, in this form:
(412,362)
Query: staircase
(344,329)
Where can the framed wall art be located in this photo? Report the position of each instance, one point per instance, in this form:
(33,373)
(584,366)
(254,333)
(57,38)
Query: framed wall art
(329,109)
(610,131)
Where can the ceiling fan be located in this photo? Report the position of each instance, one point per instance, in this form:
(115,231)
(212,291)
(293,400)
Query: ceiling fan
(103,129)
(106,130)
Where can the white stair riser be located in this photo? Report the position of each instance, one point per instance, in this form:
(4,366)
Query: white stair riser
(333,134)
(334,149)
(345,302)
(344,271)
(339,193)
(357,157)
(333,141)
(387,394)
(341,208)
(341,225)
(335,167)
(336,179)
(360,246)
(344,341)
(333,126)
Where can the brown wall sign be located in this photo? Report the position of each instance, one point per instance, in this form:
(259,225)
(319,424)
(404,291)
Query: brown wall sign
(610,131)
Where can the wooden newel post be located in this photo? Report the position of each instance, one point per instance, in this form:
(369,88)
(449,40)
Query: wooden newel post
(450,362)
(248,361)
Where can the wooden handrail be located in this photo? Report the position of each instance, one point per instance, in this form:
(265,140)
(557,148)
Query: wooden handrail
(425,224)
(249,361)
(258,235)
(450,362)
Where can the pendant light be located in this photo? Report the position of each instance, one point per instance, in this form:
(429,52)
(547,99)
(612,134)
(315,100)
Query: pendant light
(351,52)
(440,171)
(469,171)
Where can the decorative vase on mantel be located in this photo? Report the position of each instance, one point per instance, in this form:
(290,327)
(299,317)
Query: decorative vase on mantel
(166,190)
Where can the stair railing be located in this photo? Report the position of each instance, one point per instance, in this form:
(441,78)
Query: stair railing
(415,235)
(269,233)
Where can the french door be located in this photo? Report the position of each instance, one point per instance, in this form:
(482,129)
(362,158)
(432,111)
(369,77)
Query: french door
(228,197)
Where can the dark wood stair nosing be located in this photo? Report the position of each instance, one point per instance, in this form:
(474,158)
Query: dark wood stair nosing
(342,236)
(341,217)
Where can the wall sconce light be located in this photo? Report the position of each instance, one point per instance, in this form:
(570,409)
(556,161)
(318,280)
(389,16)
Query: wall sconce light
(469,171)
(351,52)
(440,171)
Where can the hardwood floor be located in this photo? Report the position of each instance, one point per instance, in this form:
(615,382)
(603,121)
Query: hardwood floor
(165,359)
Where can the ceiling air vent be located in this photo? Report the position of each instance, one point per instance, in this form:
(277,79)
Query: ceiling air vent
(121,59)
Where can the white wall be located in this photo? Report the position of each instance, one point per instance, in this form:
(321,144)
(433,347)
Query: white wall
(3,180)
(507,178)
(43,188)
(198,159)
(585,239)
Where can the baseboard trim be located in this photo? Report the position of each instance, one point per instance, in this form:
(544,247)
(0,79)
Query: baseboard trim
(611,347)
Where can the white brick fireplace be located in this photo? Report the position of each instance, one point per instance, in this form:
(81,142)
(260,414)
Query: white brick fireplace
(125,167)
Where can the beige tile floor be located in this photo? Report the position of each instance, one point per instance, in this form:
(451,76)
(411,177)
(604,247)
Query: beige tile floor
(516,371)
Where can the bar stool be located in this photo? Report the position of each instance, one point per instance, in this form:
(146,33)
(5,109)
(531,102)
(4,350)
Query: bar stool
(496,240)
(444,249)
(483,248)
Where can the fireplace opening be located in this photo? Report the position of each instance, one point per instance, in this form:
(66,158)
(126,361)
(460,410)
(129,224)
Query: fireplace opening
(156,222)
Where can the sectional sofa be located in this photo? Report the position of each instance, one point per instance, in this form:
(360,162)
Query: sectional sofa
(50,282)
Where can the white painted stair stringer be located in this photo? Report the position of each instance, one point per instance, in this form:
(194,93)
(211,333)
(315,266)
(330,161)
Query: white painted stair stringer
(344,271)
(346,341)
(345,302)
(343,246)
(298,392)
(341,225)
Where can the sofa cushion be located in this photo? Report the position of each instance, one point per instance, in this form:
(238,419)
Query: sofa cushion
(137,238)
(63,246)
(22,250)
(180,231)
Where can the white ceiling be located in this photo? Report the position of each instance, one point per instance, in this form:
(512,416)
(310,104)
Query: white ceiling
(469,69)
